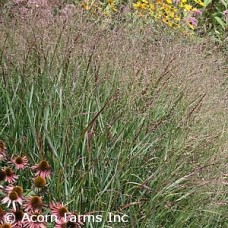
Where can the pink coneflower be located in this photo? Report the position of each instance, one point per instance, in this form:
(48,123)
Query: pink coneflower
(19,162)
(42,169)
(17,189)
(12,198)
(58,209)
(33,203)
(36,221)
(11,177)
(2,150)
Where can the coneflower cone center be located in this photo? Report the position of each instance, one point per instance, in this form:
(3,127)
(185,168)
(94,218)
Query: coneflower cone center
(19,160)
(36,201)
(18,190)
(62,211)
(43,165)
(18,215)
(13,195)
(39,182)
(8,172)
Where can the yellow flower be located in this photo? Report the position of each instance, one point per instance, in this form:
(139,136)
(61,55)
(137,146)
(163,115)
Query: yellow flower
(170,24)
(143,5)
(190,26)
(86,6)
(200,2)
(169,1)
(171,14)
(174,9)
(113,7)
(166,7)
(152,6)
(188,7)
(158,15)
(137,5)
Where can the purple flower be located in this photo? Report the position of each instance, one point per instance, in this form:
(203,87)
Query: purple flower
(196,13)
(192,21)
